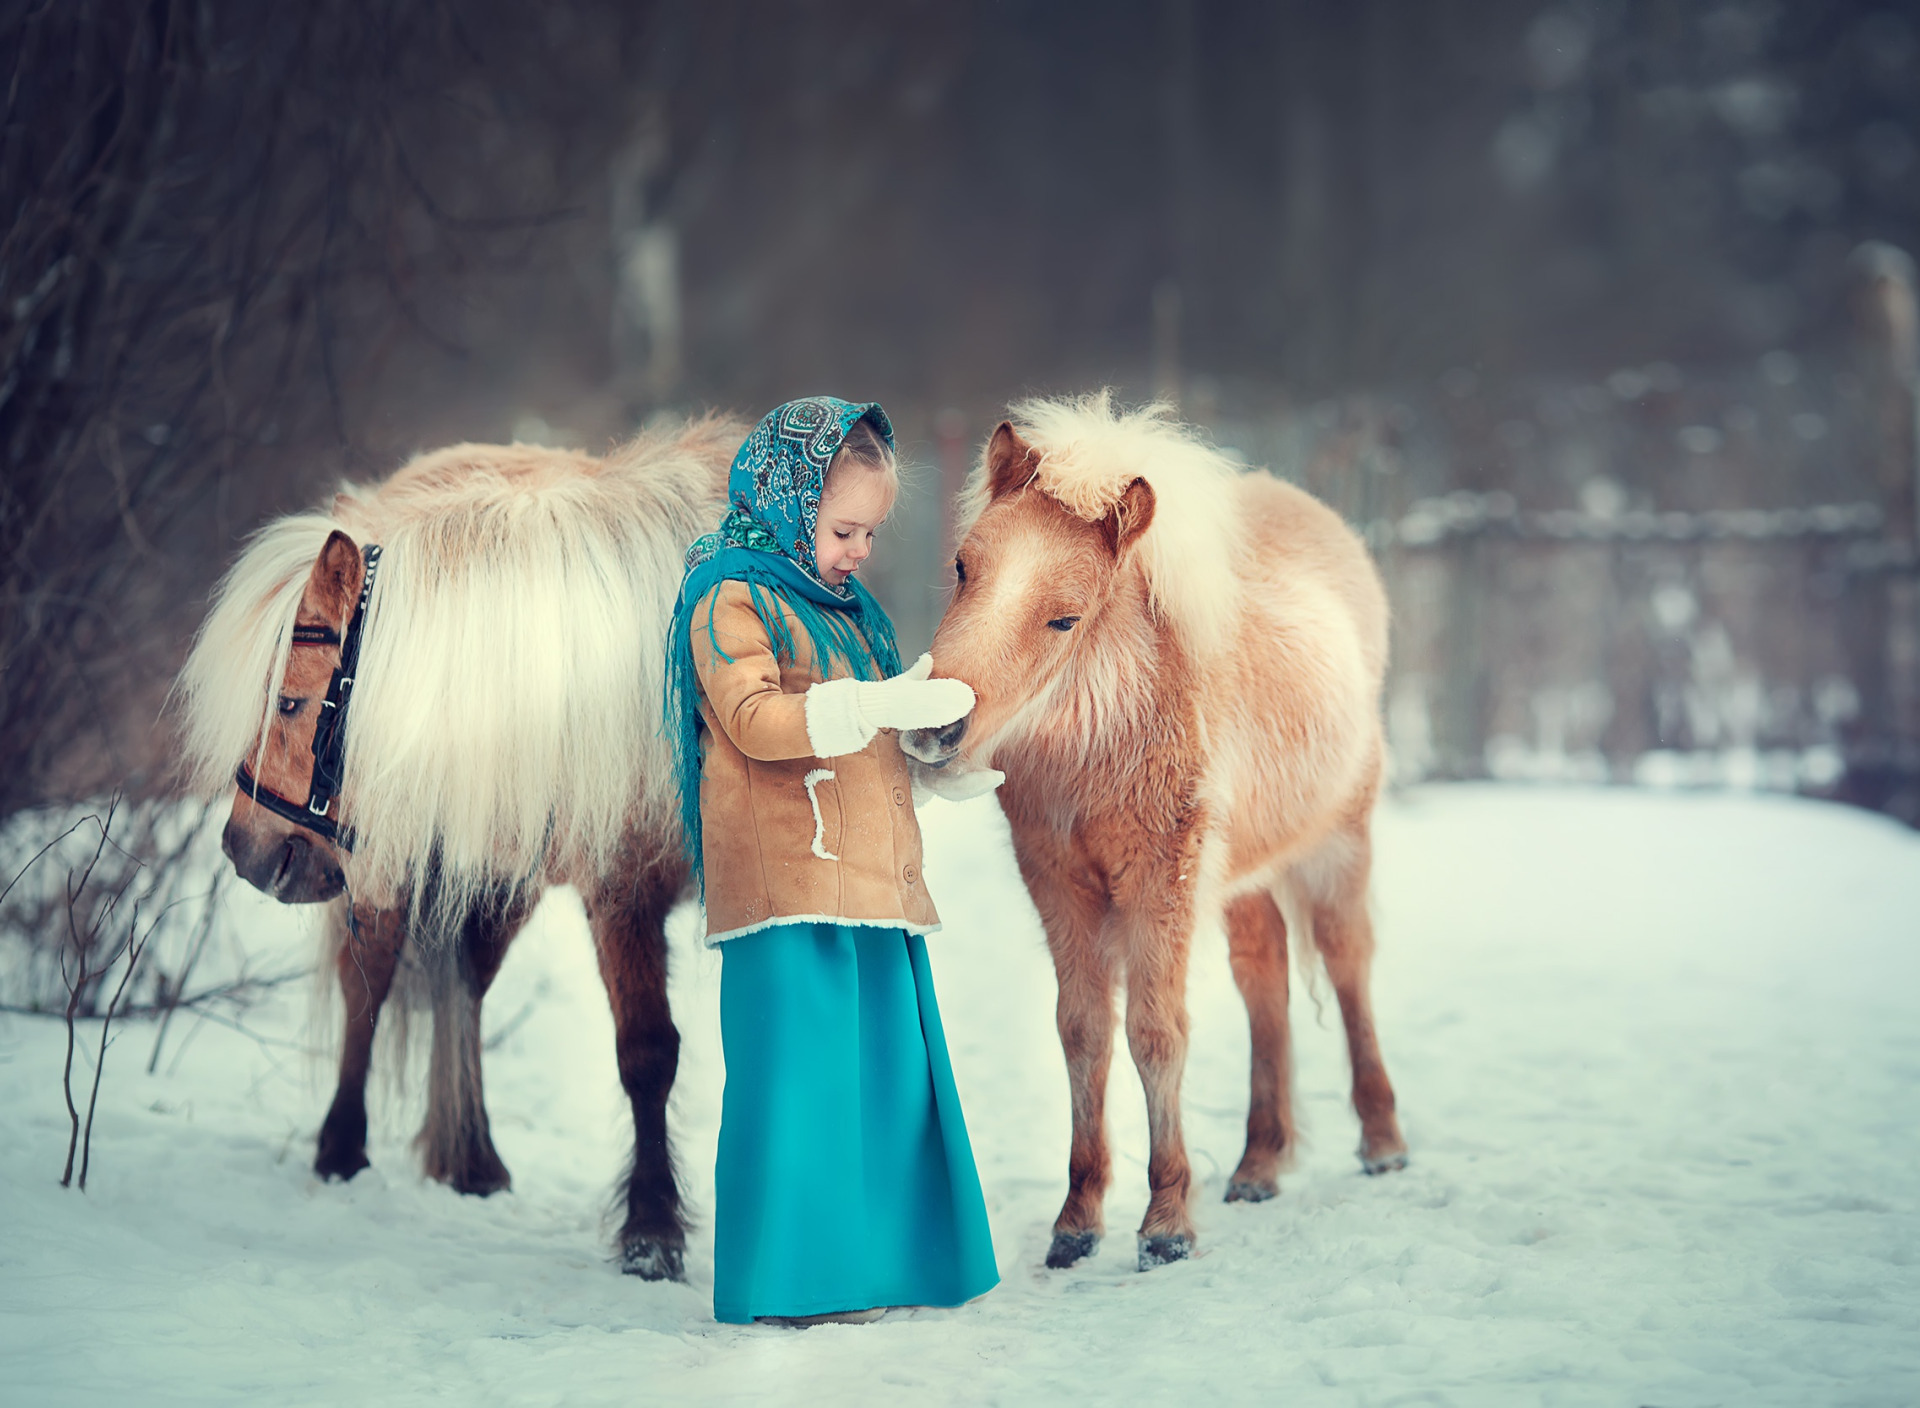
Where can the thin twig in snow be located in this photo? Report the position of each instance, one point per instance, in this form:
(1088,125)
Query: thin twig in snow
(77,983)
(135,945)
(236,991)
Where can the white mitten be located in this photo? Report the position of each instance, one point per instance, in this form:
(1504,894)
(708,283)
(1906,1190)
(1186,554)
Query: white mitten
(956,781)
(844,715)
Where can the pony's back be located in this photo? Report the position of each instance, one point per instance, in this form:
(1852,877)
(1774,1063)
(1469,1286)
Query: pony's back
(1294,707)
(1291,541)
(506,714)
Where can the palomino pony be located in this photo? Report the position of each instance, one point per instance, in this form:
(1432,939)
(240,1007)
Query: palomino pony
(1178,668)
(434,700)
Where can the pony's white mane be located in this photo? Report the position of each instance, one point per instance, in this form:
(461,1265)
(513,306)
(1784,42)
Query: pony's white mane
(1090,451)
(507,708)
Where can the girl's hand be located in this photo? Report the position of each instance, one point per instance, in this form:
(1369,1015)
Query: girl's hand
(844,715)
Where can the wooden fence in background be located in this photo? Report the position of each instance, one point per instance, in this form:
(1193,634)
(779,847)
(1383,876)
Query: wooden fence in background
(1671,577)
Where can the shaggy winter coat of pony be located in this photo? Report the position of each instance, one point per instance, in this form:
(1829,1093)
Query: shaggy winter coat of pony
(506,714)
(1178,666)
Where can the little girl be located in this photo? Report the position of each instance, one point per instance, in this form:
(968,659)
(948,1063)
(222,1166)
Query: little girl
(845,1182)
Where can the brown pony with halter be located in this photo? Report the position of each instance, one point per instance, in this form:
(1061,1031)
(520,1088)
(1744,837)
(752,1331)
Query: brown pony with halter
(1178,668)
(462,668)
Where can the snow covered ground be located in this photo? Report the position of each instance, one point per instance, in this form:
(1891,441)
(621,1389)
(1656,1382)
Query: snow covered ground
(1656,1058)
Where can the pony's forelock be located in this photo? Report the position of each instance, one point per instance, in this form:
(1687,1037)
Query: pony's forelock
(226,690)
(1090,450)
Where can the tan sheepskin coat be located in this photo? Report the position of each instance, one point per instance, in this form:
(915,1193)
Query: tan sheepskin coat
(788,837)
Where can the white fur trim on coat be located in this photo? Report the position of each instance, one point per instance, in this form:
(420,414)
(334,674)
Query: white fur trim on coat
(812,781)
(715,940)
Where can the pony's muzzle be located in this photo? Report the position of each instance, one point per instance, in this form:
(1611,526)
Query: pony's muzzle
(290,868)
(936,747)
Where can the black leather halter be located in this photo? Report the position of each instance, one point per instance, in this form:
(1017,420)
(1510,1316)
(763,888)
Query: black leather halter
(330,733)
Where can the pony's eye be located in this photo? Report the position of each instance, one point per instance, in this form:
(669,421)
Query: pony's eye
(959,570)
(290,706)
(1063,623)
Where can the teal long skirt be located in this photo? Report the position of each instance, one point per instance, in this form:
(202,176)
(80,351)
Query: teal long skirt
(844,1179)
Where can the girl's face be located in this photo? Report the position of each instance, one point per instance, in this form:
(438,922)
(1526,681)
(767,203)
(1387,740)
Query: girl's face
(856,502)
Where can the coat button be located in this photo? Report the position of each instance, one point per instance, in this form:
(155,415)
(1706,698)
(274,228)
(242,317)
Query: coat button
(899,797)
(910,874)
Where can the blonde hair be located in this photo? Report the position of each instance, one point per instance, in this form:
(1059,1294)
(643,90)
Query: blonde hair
(866,447)
(1090,450)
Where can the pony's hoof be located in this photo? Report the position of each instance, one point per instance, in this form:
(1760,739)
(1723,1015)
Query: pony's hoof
(340,1164)
(473,1167)
(1071,1247)
(652,1259)
(1387,1161)
(482,1182)
(1252,1190)
(1158,1251)
(340,1151)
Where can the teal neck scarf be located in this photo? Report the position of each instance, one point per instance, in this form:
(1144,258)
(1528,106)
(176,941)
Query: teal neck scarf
(766,541)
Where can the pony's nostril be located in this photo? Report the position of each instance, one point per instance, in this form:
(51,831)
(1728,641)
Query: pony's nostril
(951,735)
(284,870)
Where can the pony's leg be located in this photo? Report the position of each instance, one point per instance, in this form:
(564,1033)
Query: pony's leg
(368,952)
(1257,945)
(1073,908)
(1343,932)
(628,912)
(1157,1036)
(457,1140)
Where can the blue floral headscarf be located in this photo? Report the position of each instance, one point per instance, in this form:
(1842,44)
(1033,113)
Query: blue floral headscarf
(773,492)
(766,541)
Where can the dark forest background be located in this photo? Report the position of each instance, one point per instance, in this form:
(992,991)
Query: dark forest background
(1597,317)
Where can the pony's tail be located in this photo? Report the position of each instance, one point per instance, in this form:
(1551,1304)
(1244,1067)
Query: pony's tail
(1304,943)
(1297,915)
(455,1142)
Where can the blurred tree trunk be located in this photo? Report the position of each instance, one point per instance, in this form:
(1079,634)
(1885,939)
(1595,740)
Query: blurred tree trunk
(221,220)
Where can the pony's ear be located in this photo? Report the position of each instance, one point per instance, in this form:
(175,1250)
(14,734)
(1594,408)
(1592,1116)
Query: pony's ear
(333,584)
(1011,461)
(1129,518)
